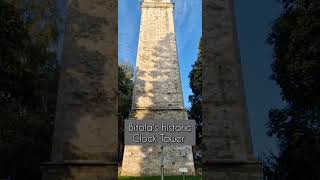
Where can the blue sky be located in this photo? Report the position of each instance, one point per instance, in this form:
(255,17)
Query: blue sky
(188,28)
(254,19)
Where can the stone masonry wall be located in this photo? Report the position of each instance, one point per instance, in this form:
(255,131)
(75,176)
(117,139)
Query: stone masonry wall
(157,83)
(85,140)
(157,92)
(227,150)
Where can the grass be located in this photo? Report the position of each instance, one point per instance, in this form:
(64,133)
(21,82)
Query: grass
(159,178)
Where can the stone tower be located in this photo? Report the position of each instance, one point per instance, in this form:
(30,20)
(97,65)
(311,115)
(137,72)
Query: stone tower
(227,150)
(157,92)
(85,140)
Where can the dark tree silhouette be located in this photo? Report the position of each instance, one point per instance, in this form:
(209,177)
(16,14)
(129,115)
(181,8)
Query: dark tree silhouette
(28,84)
(125,88)
(195,111)
(295,38)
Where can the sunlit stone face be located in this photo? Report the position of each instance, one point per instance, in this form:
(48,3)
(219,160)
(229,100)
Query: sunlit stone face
(157,93)
(160,1)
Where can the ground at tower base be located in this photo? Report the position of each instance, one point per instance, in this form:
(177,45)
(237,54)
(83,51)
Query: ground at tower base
(158,177)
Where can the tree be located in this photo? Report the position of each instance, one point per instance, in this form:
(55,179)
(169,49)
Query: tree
(41,19)
(28,83)
(295,39)
(125,88)
(28,86)
(195,111)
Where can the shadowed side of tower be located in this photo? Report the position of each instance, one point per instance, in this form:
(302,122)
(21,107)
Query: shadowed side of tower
(227,150)
(157,93)
(85,140)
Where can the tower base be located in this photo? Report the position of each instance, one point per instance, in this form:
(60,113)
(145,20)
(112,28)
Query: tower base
(80,170)
(146,160)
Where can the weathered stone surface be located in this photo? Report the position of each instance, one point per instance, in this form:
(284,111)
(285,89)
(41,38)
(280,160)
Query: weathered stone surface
(80,171)
(157,82)
(168,1)
(162,114)
(86,125)
(145,160)
(157,92)
(226,132)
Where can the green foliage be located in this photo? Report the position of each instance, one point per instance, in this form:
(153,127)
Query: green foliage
(40,19)
(28,86)
(125,88)
(295,39)
(28,83)
(195,111)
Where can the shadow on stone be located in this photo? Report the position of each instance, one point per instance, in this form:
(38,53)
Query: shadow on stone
(85,140)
